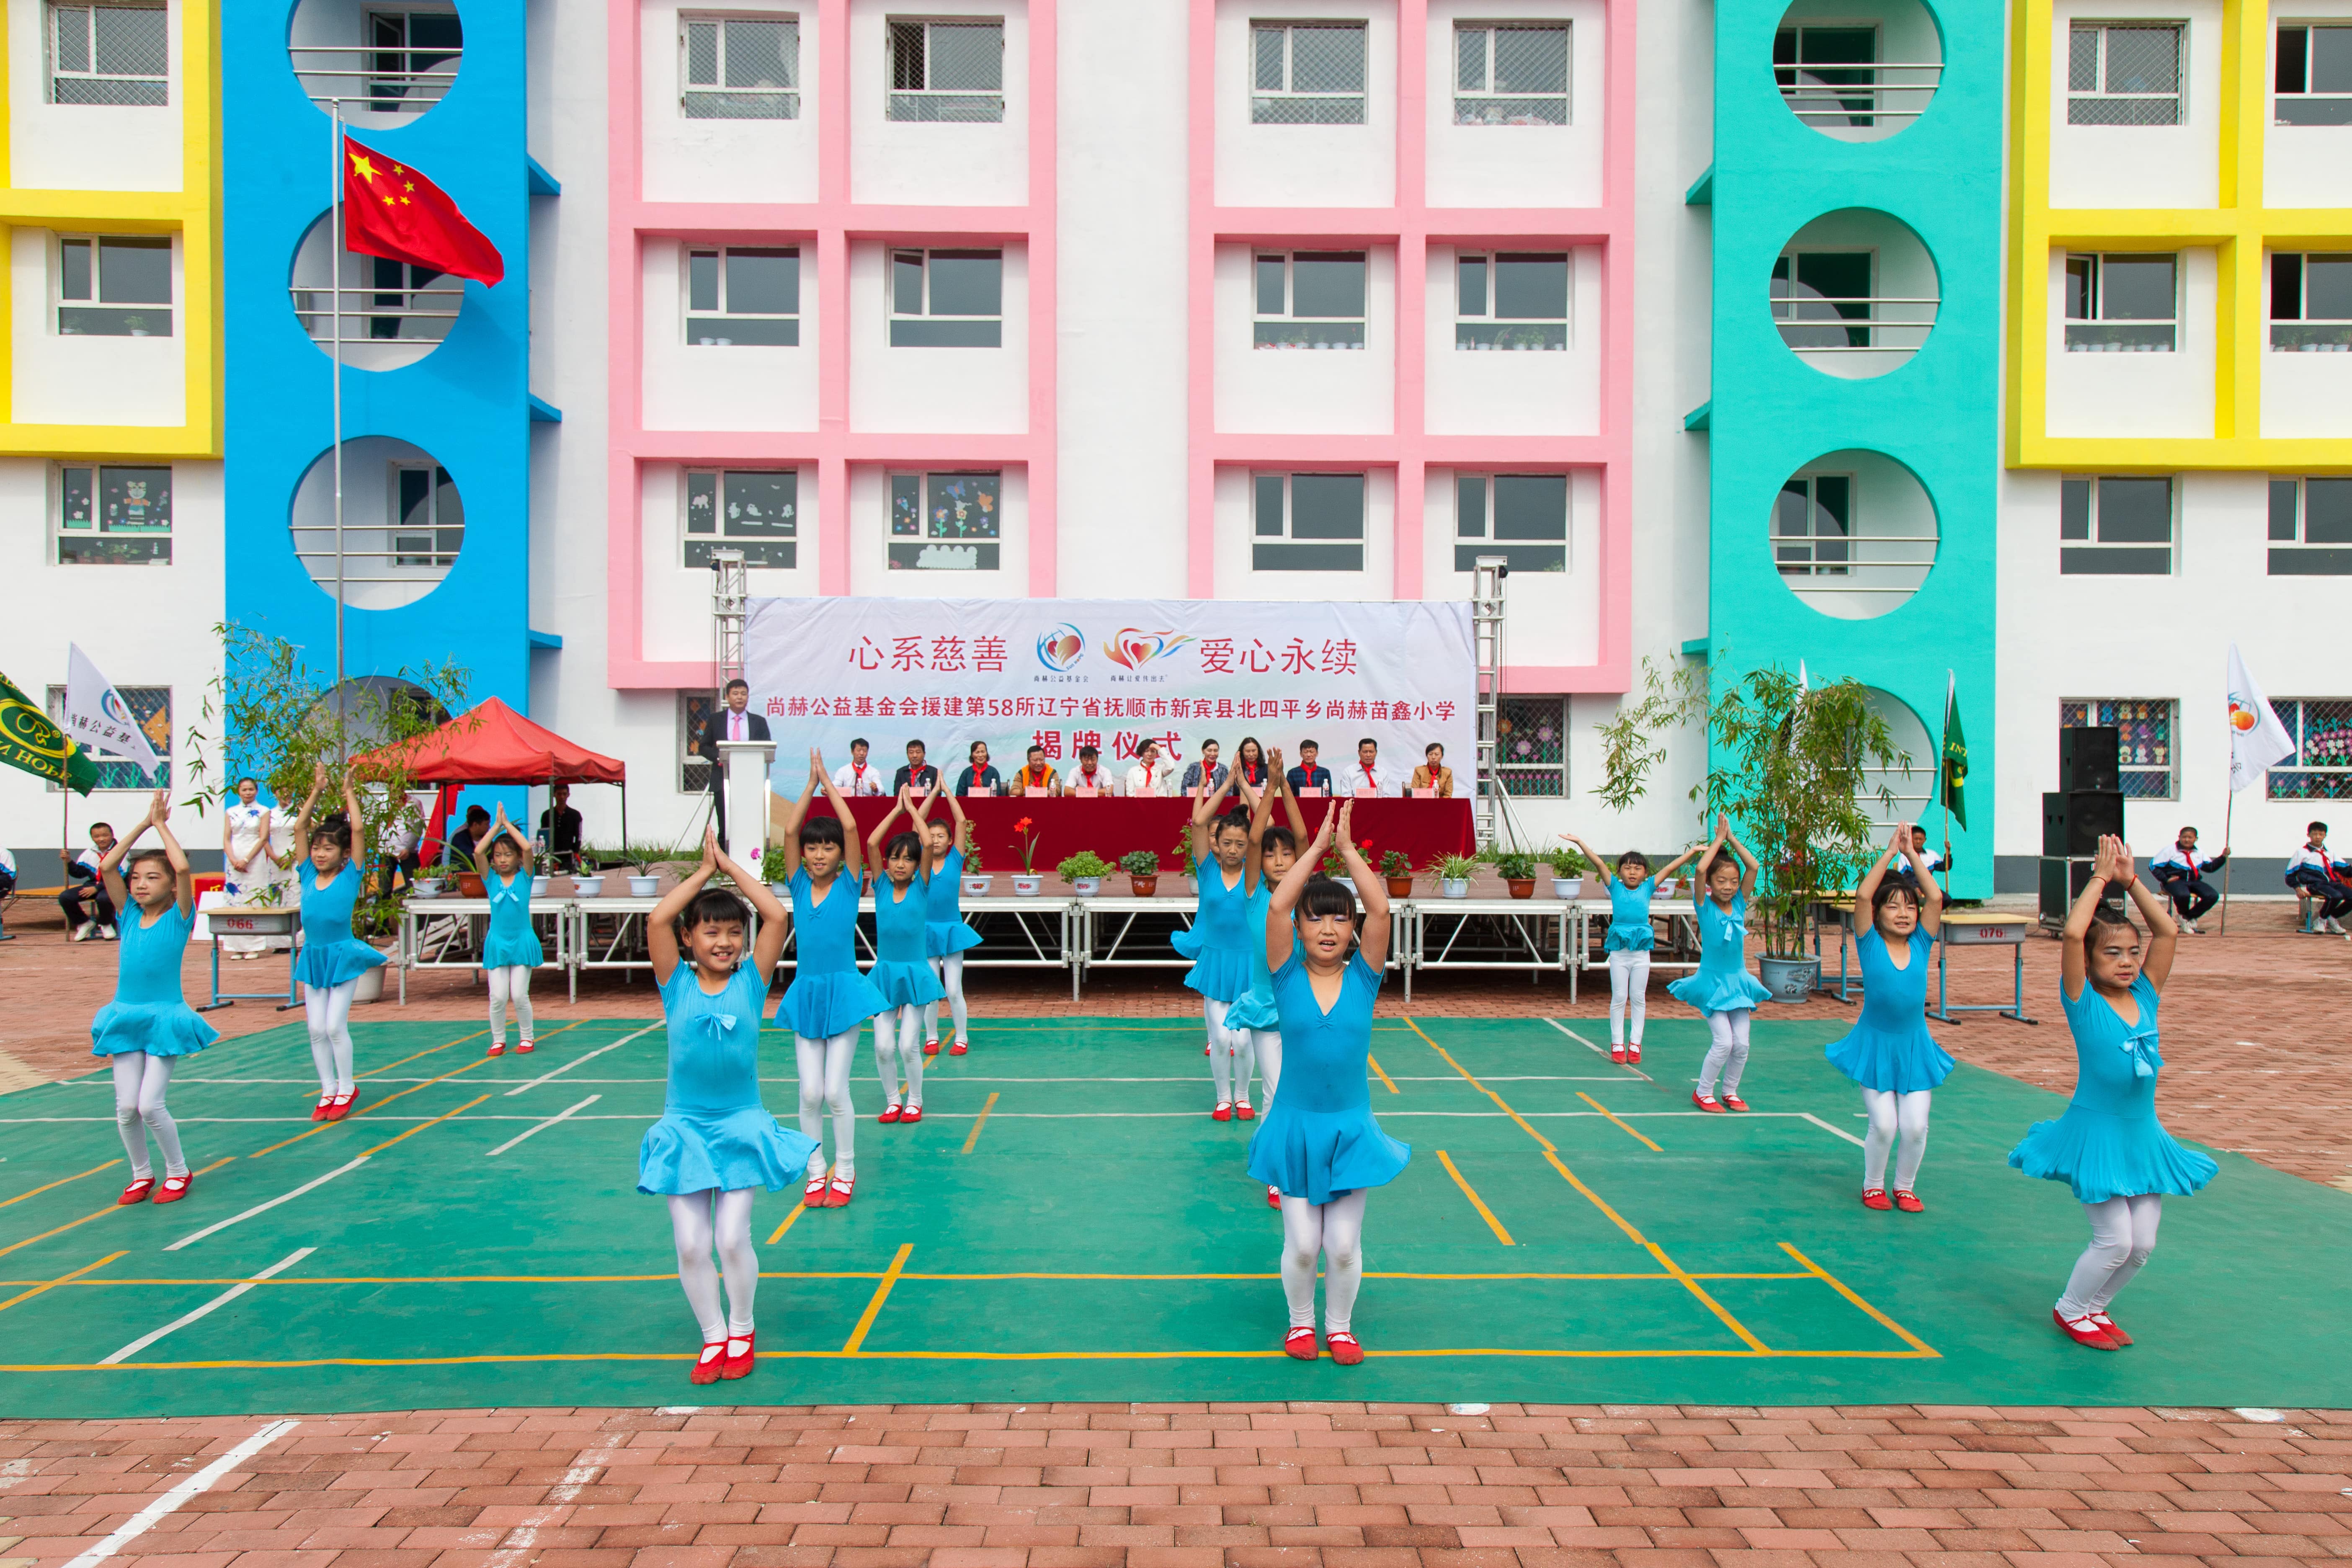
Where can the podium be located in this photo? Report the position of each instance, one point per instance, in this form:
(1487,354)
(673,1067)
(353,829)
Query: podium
(744,765)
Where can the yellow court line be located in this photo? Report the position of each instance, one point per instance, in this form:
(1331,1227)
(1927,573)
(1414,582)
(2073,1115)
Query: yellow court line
(388,1098)
(1475,1201)
(979,1122)
(1374,1062)
(1613,1116)
(866,1274)
(62,1279)
(881,1294)
(423,1125)
(1834,1283)
(102,1214)
(60,1182)
(792,1219)
(1481,1088)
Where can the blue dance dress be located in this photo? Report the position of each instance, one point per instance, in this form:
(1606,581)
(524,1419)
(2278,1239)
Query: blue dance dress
(1629,917)
(1218,943)
(1254,1009)
(331,954)
(945,930)
(827,995)
(713,1130)
(2109,1144)
(900,972)
(1320,1140)
(1721,983)
(148,1012)
(1889,1046)
(511,941)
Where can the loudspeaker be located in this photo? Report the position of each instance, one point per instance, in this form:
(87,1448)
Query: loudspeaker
(2062,882)
(2071,824)
(2088,759)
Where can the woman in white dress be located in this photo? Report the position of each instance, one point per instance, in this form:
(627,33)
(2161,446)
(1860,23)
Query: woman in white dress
(247,859)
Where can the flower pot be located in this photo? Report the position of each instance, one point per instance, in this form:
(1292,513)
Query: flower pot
(370,986)
(588,887)
(977,886)
(1568,886)
(1026,886)
(1666,886)
(539,885)
(427,887)
(1790,980)
(1455,886)
(1087,887)
(1399,886)
(642,886)
(470,885)
(1520,887)
(1143,886)
(784,893)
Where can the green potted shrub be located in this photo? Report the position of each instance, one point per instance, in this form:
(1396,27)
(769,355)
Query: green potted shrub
(1083,871)
(1398,870)
(1568,869)
(1454,873)
(771,871)
(1142,869)
(1518,869)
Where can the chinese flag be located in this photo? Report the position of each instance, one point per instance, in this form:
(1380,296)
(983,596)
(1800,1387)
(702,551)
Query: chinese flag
(391,210)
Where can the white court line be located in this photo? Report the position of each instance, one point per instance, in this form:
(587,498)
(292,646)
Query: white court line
(551,1121)
(1600,1051)
(263,1208)
(222,1299)
(1827,1128)
(591,1056)
(146,1518)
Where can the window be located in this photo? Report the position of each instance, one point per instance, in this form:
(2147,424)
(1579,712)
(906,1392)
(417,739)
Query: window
(1828,75)
(740,296)
(2124,73)
(1307,73)
(114,285)
(2150,768)
(946,522)
(2310,301)
(114,516)
(947,71)
(2311,528)
(1510,74)
(2122,304)
(112,55)
(412,59)
(418,310)
(947,299)
(150,709)
(2115,526)
(739,67)
(2314,77)
(1511,300)
(1525,515)
(1310,300)
(1820,286)
(1307,522)
(694,711)
(1812,526)
(428,525)
(755,511)
(1531,745)
(2321,767)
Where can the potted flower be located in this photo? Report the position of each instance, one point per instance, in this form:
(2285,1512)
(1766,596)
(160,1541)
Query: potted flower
(1183,857)
(1569,866)
(1454,873)
(976,882)
(1083,871)
(1027,883)
(1518,869)
(772,872)
(1142,869)
(1398,870)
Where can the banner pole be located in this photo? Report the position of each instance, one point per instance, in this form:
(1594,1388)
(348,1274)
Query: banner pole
(2228,812)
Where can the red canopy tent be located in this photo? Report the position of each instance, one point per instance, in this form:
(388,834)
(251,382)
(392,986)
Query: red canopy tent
(493,744)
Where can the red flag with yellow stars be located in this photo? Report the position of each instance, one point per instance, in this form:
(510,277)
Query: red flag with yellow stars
(391,210)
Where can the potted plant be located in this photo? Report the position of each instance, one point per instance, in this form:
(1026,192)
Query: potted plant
(1083,871)
(1183,859)
(1454,873)
(976,883)
(1142,869)
(1518,869)
(1398,870)
(1569,866)
(1027,882)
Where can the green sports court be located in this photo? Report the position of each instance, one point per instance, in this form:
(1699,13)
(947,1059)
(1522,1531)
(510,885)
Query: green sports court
(1068,1223)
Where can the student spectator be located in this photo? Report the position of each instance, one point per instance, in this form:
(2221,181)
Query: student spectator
(918,774)
(856,776)
(7,886)
(2311,870)
(733,722)
(1149,776)
(1307,775)
(1207,773)
(1036,774)
(1434,773)
(2180,873)
(467,841)
(1920,855)
(1089,774)
(979,775)
(561,831)
(89,907)
(1364,778)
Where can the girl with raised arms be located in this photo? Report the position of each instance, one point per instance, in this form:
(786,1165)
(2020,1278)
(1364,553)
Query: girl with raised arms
(947,936)
(511,951)
(1630,941)
(1219,941)
(902,899)
(332,959)
(1889,1052)
(1722,989)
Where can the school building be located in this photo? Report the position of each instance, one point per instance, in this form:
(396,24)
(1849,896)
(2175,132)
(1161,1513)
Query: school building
(1893,337)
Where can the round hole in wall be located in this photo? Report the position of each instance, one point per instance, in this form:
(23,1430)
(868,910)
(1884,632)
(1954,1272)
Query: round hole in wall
(1854,293)
(382,66)
(1853,533)
(1859,71)
(377,313)
(403,523)
(1907,789)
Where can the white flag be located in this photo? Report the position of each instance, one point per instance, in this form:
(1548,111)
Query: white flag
(2257,739)
(97,715)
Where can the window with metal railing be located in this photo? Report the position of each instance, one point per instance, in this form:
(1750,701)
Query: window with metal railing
(2123,303)
(1307,73)
(404,63)
(429,518)
(2311,528)
(2124,73)
(739,68)
(2321,766)
(113,515)
(114,55)
(1522,518)
(754,510)
(1531,745)
(1309,299)
(2312,76)
(2310,301)
(1510,73)
(2145,726)
(744,295)
(1831,79)
(1825,285)
(1812,526)
(150,709)
(947,70)
(1515,301)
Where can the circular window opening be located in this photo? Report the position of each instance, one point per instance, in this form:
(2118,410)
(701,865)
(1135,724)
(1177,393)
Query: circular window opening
(1900,792)
(376,64)
(372,312)
(1857,72)
(1853,535)
(1854,293)
(403,523)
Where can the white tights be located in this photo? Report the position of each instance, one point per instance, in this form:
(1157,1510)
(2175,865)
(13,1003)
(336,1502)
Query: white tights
(1891,1113)
(898,1043)
(950,973)
(701,1221)
(1629,989)
(1232,1053)
(327,1009)
(2123,1233)
(1728,1053)
(1336,1230)
(509,983)
(140,1081)
(825,1083)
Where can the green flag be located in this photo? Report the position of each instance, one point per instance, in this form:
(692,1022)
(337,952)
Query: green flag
(1955,756)
(29,741)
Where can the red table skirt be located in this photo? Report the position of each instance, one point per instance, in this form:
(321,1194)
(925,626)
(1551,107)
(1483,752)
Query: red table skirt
(1111,827)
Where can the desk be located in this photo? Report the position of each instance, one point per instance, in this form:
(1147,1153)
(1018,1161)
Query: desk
(222,921)
(1532,934)
(1840,910)
(1982,928)
(423,947)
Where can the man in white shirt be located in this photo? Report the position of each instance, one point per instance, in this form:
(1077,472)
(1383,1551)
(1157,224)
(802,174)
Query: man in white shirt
(1089,774)
(857,776)
(1149,776)
(1366,777)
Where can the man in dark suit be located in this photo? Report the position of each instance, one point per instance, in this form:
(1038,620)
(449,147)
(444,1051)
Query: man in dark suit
(731,722)
(918,774)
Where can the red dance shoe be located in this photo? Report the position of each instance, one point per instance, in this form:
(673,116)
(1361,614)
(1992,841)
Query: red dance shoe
(912,1113)
(890,1112)
(930,1048)
(1617,1055)
(708,1365)
(340,1107)
(175,1188)
(319,1111)
(1633,1053)
(525,1048)
(813,1195)
(960,1047)
(1344,1348)
(1707,1102)
(1908,1202)
(2084,1331)
(498,1048)
(1224,1112)
(2104,1323)
(1299,1343)
(1242,1109)
(1733,1102)
(737,1365)
(1875,1198)
(837,1191)
(1273,1197)
(136,1192)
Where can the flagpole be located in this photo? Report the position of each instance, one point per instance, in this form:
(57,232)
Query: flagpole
(335,272)
(1944,775)
(2228,811)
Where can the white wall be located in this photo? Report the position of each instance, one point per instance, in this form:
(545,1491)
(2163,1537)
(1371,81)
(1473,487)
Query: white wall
(949,164)
(60,380)
(88,146)
(724,159)
(1235,533)
(2140,166)
(2306,394)
(2304,165)
(1303,165)
(869,543)
(689,386)
(1304,391)
(2136,393)
(1518,165)
(1471,391)
(1901,269)
(1554,616)
(934,389)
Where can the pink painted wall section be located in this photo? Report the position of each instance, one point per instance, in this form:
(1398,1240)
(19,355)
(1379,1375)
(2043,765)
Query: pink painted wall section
(827,226)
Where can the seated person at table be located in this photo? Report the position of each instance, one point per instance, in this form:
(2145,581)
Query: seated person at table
(856,776)
(1920,856)
(468,842)
(2312,870)
(1207,774)
(2179,872)
(1365,777)
(1035,773)
(918,774)
(1149,776)
(560,828)
(1434,773)
(88,904)
(1089,774)
(1307,775)
(980,776)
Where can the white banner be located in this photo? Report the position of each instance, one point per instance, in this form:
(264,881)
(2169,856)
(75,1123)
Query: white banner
(97,715)
(1111,673)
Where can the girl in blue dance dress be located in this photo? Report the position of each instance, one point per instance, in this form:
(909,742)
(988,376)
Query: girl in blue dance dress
(1722,989)
(511,951)
(1272,849)
(2108,1146)
(716,1145)
(148,1026)
(1218,940)
(1630,940)
(900,971)
(1319,1142)
(332,959)
(829,1000)
(947,936)
(1889,1052)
